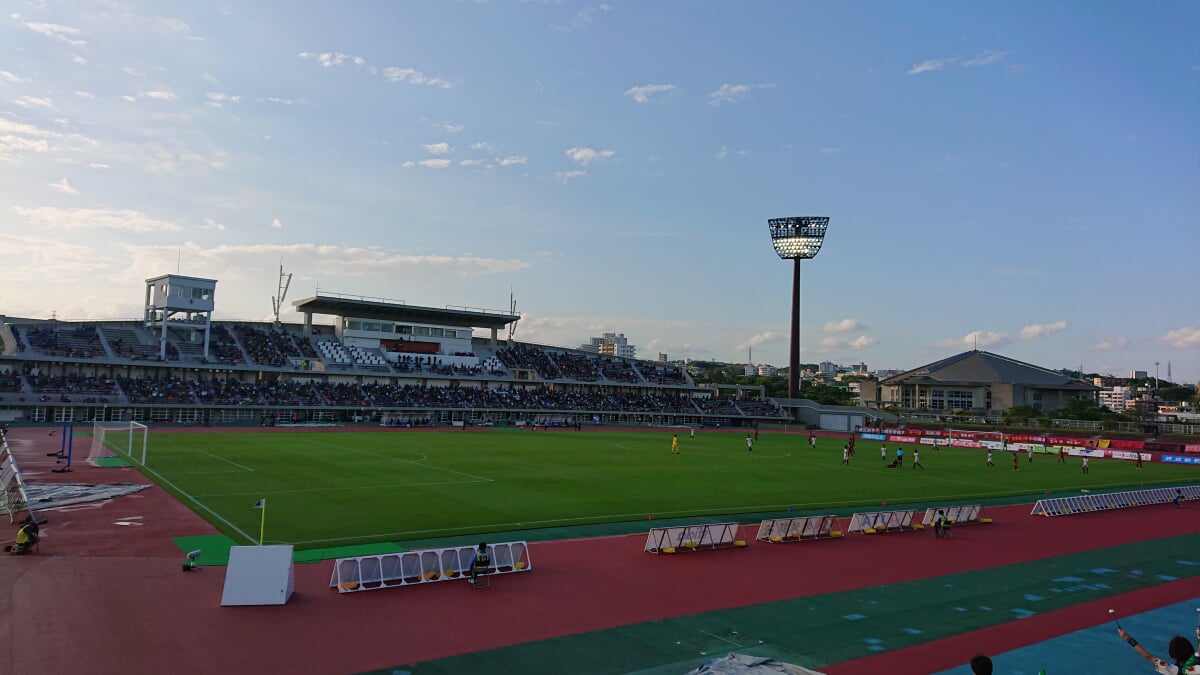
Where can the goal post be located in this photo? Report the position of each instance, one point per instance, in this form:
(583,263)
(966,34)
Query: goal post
(127,440)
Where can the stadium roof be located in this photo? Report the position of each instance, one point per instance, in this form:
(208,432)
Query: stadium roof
(976,367)
(361,308)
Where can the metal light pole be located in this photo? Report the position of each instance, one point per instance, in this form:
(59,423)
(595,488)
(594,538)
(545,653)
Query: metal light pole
(797,238)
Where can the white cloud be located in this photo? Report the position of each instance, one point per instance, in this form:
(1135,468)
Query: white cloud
(434,163)
(976,339)
(732,93)
(59,32)
(843,326)
(722,152)
(832,343)
(437,148)
(567,176)
(218,98)
(985,58)
(78,59)
(275,224)
(584,155)
(33,102)
(175,25)
(484,145)
(330,59)
(396,74)
(133,72)
(1038,330)
(64,186)
(210,224)
(1183,338)
(94,219)
(1107,344)
(643,93)
(512,160)
(159,95)
(6,76)
(450,127)
(85,94)
(584,17)
(283,101)
(766,337)
(473,162)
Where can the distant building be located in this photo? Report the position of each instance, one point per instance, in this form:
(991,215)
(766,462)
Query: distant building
(979,381)
(610,344)
(827,367)
(1117,399)
(765,370)
(662,357)
(749,370)
(1138,375)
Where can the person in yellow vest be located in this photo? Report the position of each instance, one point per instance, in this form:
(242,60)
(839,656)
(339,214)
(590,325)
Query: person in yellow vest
(675,444)
(27,536)
(481,562)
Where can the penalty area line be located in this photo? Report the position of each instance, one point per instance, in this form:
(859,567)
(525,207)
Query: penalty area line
(339,489)
(199,503)
(243,468)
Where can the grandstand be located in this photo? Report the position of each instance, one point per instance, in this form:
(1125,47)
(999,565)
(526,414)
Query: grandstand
(381,361)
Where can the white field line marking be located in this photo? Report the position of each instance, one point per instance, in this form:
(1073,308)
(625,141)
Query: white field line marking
(337,489)
(718,637)
(199,503)
(243,468)
(480,479)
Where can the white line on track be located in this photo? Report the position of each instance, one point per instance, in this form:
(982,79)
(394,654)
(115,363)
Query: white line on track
(243,468)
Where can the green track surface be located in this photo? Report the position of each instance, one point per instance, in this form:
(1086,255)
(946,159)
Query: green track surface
(332,489)
(820,630)
(215,550)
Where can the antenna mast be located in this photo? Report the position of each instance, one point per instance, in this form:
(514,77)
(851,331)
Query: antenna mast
(285,281)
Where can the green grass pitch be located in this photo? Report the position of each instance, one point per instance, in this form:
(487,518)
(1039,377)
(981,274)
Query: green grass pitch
(341,488)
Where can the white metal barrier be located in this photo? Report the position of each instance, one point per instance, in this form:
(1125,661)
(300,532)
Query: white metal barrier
(1065,506)
(389,570)
(882,521)
(799,529)
(693,538)
(958,515)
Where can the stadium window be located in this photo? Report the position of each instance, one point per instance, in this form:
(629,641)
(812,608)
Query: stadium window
(404,330)
(354,325)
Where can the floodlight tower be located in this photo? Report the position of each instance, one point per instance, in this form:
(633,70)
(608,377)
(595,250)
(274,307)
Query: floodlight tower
(798,238)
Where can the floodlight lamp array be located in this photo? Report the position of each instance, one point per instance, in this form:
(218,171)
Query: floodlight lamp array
(798,237)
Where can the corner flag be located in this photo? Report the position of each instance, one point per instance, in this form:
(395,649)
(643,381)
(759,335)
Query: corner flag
(262,506)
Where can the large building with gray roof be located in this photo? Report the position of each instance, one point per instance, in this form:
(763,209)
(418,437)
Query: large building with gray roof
(976,381)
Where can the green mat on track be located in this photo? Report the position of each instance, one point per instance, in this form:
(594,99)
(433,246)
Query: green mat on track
(110,462)
(216,547)
(819,630)
(313,555)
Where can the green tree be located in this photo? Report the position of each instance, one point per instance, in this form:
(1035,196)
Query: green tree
(1021,414)
(826,394)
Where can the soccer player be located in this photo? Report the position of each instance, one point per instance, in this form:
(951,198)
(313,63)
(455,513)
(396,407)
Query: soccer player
(1016,461)
(989,460)
(749,443)
(1138,464)
(1031,454)
(675,444)
(1085,464)
(812,440)
(1062,455)
(845,455)
(693,433)
(917,460)
(883,452)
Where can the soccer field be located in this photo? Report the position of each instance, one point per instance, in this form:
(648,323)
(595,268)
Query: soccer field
(340,488)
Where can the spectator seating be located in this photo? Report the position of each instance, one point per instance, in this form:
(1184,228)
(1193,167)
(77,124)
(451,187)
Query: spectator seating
(79,342)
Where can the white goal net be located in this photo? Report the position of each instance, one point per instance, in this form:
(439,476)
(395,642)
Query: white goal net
(126,440)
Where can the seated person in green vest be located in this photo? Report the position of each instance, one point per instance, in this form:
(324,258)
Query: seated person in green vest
(481,562)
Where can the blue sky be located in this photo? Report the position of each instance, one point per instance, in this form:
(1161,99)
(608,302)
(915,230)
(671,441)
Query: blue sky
(1025,176)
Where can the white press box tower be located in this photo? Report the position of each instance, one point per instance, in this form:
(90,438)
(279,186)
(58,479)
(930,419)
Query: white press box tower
(182,303)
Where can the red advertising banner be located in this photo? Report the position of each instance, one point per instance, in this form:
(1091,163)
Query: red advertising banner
(902,439)
(963,443)
(1192,447)
(1065,440)
(1022,438)
(1126,445)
